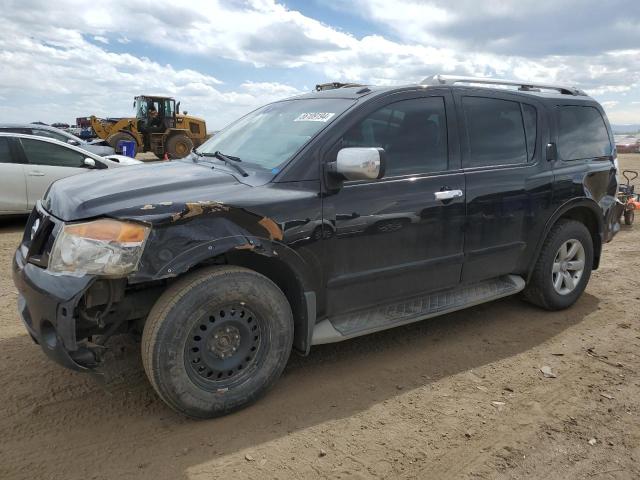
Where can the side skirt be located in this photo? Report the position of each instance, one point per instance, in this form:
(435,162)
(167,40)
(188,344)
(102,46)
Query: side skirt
(382,317)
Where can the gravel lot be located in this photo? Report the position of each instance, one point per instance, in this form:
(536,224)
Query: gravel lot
(460,396)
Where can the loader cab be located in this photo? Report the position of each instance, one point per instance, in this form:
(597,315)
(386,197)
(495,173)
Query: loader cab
(165,106)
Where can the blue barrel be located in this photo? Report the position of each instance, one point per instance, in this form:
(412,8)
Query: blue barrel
(126,147)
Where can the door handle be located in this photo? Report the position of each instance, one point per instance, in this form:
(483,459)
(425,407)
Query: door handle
(448,194)
(35,173)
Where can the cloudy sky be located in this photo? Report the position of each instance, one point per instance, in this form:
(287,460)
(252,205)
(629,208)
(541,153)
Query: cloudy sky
(65,58)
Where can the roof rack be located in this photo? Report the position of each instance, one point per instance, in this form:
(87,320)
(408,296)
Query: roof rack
(333,85)
(522,86)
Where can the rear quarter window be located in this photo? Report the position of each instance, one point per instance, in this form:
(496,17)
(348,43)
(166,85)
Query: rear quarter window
(582,133)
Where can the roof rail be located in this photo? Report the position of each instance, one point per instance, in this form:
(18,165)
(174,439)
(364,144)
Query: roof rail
(523,85)
(333,85)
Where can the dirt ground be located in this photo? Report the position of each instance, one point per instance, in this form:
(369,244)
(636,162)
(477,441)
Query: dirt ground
(460,396)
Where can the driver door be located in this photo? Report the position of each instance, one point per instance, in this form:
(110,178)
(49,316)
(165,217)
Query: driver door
(393,238)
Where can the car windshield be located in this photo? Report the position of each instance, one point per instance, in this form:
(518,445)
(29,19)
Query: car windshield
(269,136)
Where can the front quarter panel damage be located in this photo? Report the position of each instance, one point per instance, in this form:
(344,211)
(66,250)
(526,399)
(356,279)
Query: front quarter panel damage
(184,235)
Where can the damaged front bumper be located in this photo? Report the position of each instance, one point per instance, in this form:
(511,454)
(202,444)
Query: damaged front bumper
(47,304)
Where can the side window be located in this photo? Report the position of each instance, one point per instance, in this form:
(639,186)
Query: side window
(531,128)
(45,153)
(48,134)
(582,133)
(412,132)
(5,152)
(495,130)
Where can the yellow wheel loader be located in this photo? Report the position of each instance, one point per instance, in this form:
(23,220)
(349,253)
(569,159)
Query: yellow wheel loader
(158,127)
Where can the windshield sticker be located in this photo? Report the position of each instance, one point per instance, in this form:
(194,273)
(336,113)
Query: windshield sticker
(314,117)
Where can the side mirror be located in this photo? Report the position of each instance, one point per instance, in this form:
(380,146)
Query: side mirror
(359,163)
(89,162)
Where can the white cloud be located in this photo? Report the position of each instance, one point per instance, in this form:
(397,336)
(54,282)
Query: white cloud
(101,39)
(67,77)
(45,53)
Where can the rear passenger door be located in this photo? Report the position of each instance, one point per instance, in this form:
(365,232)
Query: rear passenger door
(47,162)
(13,187)
(508,181)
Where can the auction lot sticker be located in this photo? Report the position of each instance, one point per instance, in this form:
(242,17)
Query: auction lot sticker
(314,117)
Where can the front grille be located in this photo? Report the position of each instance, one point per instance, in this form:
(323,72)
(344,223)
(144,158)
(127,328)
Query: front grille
(39,235)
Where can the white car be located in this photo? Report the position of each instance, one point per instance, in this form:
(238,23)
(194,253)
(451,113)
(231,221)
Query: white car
(97,146)
(28,165)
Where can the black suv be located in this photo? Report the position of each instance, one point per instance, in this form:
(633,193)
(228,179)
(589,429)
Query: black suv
(316,219)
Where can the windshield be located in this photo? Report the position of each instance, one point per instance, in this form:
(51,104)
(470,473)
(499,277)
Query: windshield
(271,135)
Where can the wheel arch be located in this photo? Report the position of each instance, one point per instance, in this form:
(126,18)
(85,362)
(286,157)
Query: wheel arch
(301,299)
(279,263)
(583,210)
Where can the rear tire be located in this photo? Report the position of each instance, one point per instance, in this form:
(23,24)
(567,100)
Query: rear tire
(117,137)
(629,217)
(557,282)
(178,145)
(217,340)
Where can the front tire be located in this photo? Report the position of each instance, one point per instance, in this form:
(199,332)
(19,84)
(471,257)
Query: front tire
(217,340)
(563,268)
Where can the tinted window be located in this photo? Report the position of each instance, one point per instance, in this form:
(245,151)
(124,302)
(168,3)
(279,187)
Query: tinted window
(582,133)
(45,153)
(495,132)
(531,128)
(412,132)
(5,154)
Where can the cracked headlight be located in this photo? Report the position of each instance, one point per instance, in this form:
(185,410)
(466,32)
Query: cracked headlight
(101,247)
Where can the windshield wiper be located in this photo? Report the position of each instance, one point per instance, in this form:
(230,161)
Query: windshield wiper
(227,159)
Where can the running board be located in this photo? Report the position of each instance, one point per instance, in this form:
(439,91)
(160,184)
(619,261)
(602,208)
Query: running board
(414,309)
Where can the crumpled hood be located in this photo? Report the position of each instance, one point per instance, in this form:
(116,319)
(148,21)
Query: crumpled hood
(138,187)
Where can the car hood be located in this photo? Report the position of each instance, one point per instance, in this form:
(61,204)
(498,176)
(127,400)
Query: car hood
(139,190)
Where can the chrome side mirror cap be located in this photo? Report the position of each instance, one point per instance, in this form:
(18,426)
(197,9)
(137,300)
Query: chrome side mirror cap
(89,162)
(360,163)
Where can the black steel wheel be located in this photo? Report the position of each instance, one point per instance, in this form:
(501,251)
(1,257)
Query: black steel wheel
(216,340)
(224,347)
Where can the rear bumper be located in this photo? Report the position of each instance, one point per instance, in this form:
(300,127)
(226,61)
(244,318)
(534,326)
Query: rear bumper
(47,304)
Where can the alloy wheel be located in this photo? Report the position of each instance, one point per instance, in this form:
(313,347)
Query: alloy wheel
(568,266)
